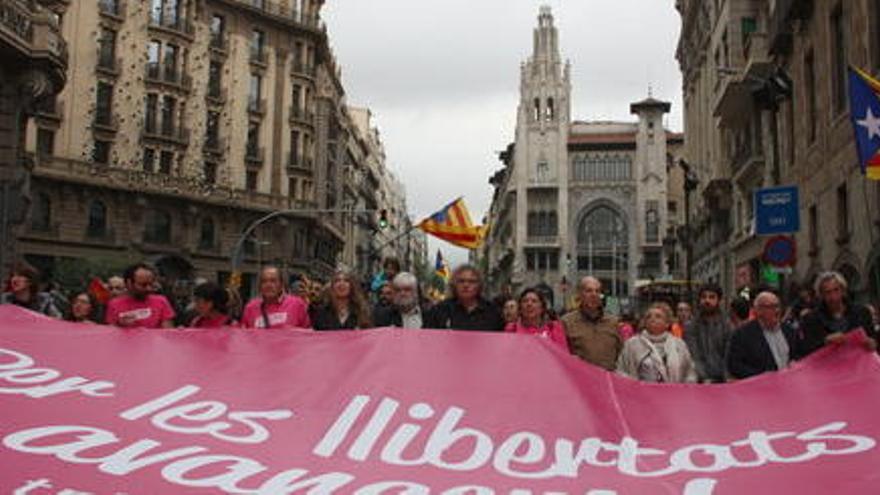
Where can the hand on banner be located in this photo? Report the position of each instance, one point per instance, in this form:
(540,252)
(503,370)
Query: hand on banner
(836,338)
(839,338)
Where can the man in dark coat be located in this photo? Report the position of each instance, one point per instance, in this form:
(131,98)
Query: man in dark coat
(763,344)
(405,310)
(467,309)
(834,316)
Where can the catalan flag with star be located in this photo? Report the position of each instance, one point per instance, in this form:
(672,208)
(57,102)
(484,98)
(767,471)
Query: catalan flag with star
(441,268)
(453,224)
(864,96)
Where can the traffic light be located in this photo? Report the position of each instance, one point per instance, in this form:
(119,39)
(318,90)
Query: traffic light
(383,219)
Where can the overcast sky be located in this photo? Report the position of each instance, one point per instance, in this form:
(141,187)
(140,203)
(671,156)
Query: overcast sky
(442,79)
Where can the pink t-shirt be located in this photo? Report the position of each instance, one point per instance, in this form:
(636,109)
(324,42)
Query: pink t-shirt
(149,313)
(552,330)
(219,321)
(288,312)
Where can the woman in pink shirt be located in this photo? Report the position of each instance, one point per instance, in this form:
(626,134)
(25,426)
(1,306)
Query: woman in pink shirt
(534,319)
(274,308)
(210,301)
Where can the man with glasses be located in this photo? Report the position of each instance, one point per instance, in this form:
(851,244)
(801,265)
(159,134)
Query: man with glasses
(405,310)
(466,309)
(763,344)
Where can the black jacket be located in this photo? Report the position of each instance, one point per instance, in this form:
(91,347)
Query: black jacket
(749,353)
(450,314)
(389,316)
(324,318)
(815,325)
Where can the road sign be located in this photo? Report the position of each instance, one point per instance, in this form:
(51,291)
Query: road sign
(780,251)
(777,210)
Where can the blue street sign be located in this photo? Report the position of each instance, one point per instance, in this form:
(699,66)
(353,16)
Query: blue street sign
(777,210)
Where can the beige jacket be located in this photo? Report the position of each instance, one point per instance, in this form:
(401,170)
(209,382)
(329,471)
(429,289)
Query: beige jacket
(597,342)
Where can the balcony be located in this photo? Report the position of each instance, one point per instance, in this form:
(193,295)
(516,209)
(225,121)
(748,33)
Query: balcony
(298,68)
(298,163)
(257,107)
(259,57)
(747,160)
(172,78)
(179,26)
(299,115)
(253,156)
(30,36)
(108,64)
(220,43)
(280,12)
(214,144)
(166,134)
(112,8)
(49,110)
(215,94)
(105,121)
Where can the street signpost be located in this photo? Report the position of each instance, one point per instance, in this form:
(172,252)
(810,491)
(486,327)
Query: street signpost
(777,210)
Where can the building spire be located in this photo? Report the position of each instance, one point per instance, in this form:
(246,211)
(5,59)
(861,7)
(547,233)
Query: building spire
(546,37)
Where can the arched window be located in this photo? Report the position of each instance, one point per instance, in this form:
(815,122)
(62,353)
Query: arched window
(603,240)
(41,212)
(206,234)
(157,227)
(551,109)
(97,219)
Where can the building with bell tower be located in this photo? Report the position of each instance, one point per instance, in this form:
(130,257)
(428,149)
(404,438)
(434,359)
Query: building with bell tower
(579,197)
(541,181)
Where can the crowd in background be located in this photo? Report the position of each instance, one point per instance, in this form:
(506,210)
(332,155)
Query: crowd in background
(712,343)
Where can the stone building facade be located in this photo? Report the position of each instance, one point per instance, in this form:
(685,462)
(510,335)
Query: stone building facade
(33,68)
(577,198)
(182,123)
(766,104)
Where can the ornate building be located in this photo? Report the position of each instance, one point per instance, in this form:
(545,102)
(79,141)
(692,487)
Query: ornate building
(33,65)
(765,94)
(183,121)
(575,197)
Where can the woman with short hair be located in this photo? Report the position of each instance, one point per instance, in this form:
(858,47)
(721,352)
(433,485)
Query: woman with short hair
(655,355)
(536,319)
(344,305)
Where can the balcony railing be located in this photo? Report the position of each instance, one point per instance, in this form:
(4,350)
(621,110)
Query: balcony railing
(179,25)
(220,42)
(301,115)
(214,144)
(253,155)
(542,239)
(157,74)
(257,106)
(259,56)
(167,133)
(282,11)
(216,94)
(115,8)
(298,68)
(108,63)
(15,17)
(105,121)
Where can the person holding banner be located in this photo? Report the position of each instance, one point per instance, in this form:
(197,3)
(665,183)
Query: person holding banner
(535,319)
(763,344)
(140,307)
(83,308)
(406,310)
(466,309)
(344,305)
(655,354)
(708,335)
(275,308)
(835,316)
(210,302)
(23,291)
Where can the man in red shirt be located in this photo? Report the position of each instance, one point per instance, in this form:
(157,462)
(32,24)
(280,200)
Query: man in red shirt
(140,307)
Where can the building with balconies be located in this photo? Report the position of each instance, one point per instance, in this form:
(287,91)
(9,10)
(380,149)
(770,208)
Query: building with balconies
(33,68)
(183,122)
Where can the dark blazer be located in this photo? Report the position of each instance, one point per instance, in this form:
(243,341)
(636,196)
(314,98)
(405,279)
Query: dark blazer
(485,317)
(324,318)
(749,353)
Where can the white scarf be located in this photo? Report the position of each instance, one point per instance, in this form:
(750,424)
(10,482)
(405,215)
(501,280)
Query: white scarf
(670,371)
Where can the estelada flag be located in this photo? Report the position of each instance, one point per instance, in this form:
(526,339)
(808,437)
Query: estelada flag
(453,224)
(864,97)
(440,266)
(99,291)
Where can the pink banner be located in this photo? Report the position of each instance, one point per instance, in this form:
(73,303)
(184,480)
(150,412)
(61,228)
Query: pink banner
(95,410)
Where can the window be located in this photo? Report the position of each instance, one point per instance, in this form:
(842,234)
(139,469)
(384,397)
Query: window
(814,231)
(153,50)
(107,49)
(215,79)
(97,226)
(251,180)
(542,224)
(296,99)
(810,80)
(206,234)
(298,56)
(157,227)
(542,260)
(166,162)
(842,213)
(599,168)
(212,130)
(149,160)
(291,187)
(218,31)
(150,115)
(253,139)
(536,110)
(45,142)
(838,59)
(168,105)
(101,152)
(652,222)
(104,104)
(255,92)
(210,171)
(41,212)
(551,109)
(294,147)
(258,42)
(171,56)
(109,6)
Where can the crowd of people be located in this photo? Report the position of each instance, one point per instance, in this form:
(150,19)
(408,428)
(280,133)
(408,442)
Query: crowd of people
(712,344)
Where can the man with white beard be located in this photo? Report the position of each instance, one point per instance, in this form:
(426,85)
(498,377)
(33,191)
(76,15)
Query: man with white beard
(405,310)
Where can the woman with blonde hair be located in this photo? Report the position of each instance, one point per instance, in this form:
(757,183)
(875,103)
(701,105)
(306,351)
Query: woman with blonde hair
(655,355)
(344,306)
